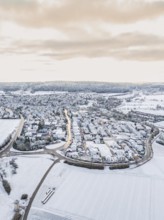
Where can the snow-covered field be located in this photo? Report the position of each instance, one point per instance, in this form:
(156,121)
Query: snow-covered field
(28,92)
(26,152)
(7,126)
(160,124)
(1,92)
(29,173)
(153,104)
(80,193)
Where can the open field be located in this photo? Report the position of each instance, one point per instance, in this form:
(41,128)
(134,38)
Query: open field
(30,171)
(144,103)
(7,126)
(91,194)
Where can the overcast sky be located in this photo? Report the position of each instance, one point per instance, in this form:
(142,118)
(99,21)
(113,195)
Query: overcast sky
(81,40)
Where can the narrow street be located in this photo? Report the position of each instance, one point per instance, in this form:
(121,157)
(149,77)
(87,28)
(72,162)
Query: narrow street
(69,134)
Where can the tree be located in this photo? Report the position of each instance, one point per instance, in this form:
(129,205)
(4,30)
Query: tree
(15,145)
(24,196)
(6,186)
(41,125)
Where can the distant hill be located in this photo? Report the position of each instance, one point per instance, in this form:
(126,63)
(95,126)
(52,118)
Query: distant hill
(99,87)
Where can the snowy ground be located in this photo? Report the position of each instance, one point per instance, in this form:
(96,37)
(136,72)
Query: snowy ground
(2,92)
(160,124)
(81,194)
(144,103)
(28,92)
(29,173)
(7,126)
(55,146)
(26,152)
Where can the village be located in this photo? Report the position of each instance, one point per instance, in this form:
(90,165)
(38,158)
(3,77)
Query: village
(100,133)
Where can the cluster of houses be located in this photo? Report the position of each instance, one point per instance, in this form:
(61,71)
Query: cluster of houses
(43,125)
(98,138)
(108,102)
(97,133)
(44,120)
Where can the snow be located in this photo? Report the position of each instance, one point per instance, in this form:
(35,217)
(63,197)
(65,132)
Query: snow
(28,92)
(159,124)
(2,92)
(113,94)
(29,173)
(110,194)
(25,152)
(43,93)
(153,111)
(104,150)
(7,126)
(55,146)
(144,103)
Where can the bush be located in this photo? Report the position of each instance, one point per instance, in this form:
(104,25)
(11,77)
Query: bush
(6,186)
(14,171)
(14,164)
(15,145)
(24,196)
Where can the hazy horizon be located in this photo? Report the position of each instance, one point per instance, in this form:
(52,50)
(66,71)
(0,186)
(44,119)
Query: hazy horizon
(85,81)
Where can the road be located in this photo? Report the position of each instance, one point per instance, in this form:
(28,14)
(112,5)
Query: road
(69,134)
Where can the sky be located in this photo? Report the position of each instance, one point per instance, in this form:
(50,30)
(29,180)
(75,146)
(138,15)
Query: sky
(82,40)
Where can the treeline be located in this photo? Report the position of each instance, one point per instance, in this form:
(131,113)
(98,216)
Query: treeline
(99,87)
(82,87)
